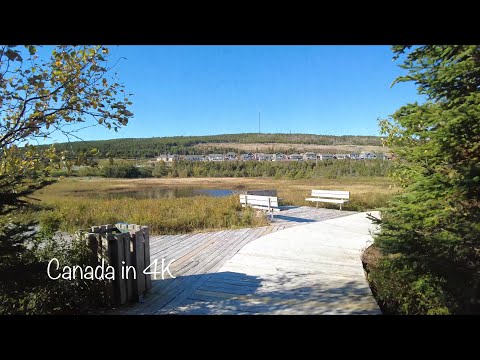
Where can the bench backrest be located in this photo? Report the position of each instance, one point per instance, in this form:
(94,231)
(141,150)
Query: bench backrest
(258,200)
(331,194)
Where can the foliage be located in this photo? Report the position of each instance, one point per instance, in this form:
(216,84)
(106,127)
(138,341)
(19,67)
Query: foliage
(26,289)
(126,171)
(431,232)
(40,94)
(292,170)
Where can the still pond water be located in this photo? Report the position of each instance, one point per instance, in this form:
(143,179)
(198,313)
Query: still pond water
(162,193)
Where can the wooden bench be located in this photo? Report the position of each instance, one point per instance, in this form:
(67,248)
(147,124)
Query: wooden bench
(266,203)
(329,196)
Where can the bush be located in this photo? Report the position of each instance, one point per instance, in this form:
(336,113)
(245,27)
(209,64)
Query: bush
(26,289)
(50,221)
(408,290)
(430,233)
(126,171)
(89,171)
(59,173)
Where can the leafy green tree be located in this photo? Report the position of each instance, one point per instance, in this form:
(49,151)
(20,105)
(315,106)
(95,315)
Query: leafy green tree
(431,233)
(160,169)
(44,91)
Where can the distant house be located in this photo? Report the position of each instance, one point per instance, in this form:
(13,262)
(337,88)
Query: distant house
(279,157)
(168,157)
(354,156)
(215,157)
(263,157)
(246,157)
(230,156)
(195,158)
(296,157)
(325,157)
(341,156)
(309,156)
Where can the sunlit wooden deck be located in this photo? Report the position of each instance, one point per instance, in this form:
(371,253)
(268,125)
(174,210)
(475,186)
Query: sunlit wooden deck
(214,277)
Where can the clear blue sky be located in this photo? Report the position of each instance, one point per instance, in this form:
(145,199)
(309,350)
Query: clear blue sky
(202,90)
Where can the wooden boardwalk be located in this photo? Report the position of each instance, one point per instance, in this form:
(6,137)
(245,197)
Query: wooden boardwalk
(207,282)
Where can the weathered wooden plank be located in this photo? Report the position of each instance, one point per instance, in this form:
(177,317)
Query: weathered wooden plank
(188,284)
(129,278)
(185,253)
(209,267)
(188,244)
(139,264)
(116,257)
(166,287)
(147,260)
(159,245)
(216,250)
(193,267)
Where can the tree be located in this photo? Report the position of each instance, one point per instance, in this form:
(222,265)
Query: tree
(41,94)
(431,232)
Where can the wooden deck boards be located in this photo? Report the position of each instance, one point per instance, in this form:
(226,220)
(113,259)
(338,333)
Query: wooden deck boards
(200,289)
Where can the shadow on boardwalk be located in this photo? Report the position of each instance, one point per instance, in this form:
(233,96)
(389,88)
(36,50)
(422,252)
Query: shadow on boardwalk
(237,293)
(293,219)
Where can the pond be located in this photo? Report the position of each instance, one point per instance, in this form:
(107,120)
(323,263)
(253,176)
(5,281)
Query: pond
(162,193)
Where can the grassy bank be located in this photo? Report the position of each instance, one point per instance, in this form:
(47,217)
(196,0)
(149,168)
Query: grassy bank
(70,204)
(168,216)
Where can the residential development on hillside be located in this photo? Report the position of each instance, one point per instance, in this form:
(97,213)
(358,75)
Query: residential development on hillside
(308,156)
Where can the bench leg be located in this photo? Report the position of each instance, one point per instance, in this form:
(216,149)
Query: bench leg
(340,207)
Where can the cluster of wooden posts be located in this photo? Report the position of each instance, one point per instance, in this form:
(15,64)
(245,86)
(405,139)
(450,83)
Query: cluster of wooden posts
(125,247)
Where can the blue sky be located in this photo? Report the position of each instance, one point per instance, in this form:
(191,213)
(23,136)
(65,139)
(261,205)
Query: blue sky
(202,90)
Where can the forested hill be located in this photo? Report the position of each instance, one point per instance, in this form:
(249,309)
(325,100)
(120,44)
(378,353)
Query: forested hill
(151,147)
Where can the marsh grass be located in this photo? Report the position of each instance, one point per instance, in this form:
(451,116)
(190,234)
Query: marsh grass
(168,216)
(69,205)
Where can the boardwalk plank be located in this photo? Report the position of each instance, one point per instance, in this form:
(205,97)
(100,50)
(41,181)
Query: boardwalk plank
(209,283)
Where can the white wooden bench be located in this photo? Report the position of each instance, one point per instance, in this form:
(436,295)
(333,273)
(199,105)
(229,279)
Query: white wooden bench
(329,196)
(266,203)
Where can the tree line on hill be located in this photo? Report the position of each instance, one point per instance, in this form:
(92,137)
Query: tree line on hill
(184,145)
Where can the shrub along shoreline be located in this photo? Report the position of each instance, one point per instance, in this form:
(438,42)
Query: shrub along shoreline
(241,169)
